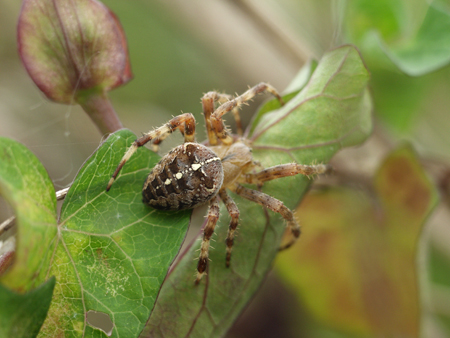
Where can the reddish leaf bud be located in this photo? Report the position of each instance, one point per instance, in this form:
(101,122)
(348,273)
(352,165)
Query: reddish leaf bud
(72,47)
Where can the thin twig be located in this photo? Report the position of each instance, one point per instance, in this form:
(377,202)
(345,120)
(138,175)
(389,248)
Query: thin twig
(6,225)
(60,194)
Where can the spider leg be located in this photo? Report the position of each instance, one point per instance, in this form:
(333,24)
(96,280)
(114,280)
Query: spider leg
(183,122)
(211,221)
(208,101)
(216,118)
(237,119)
(157,141)
(274,205)
(284,170)
(234,213)
(208,104)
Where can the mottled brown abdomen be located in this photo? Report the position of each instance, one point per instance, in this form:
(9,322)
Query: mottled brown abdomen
(188,176)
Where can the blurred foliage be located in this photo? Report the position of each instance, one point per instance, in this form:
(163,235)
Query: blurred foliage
(359,252)
(179,50)
(402,43)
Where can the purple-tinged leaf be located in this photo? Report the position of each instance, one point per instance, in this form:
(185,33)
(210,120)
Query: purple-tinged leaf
(72,47)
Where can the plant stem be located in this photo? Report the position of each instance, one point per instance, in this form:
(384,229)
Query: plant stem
(99,108)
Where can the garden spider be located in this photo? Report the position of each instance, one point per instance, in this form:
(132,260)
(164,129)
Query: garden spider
(193,174)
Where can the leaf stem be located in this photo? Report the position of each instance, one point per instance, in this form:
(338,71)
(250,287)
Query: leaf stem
(99,108)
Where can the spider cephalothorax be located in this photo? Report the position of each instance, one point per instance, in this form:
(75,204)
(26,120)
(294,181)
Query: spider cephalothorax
(193,174)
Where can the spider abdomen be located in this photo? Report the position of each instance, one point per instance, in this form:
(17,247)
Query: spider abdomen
(188,176)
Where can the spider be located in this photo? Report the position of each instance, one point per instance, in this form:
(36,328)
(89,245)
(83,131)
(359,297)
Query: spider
(193,174)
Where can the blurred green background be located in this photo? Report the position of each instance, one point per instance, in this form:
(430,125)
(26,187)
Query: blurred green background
(181,49)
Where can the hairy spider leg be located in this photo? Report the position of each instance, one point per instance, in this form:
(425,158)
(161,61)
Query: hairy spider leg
(234,214)
(284,170)
(208,104)
(184,122)
(208,231)
(274,205)
(216,118)
(157,141)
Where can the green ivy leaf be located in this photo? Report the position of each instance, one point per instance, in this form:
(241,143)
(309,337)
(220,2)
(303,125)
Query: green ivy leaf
(22,315)
(332,111)
(112,252)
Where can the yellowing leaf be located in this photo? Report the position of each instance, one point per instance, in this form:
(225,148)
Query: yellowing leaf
(355,265)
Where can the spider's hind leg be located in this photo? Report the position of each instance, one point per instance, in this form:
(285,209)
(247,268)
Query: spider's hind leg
(234,214)
(285,170)
(208,231)
(274,205)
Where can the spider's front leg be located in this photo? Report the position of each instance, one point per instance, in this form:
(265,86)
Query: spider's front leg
(208,104)
(216,121)
(208,231)
(183,122)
